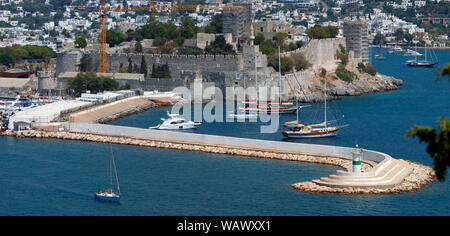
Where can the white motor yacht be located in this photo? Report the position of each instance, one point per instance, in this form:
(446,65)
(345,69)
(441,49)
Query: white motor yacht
(176,122)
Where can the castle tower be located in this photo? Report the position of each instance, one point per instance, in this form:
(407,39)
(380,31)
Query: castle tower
(238,22)
(356,39)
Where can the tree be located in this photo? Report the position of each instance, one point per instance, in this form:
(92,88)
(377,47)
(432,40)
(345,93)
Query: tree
(438,144)
(259,38)
(286,63)
(280,37)
(370,70)
(168,48)
(345,74)
(292,46)
(399,34)
(80,42)
(379,39)
(130,66)
(322,32)
(361,67)
(138,47)
(216,25)
(160,71)
(342,55)
(92,82)
(300,62)
(188,28)
(114,38)
(143,69)
(86,63)
(219,46)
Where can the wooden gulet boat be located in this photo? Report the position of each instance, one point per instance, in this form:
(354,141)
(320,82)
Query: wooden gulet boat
(296,129)
(267,107)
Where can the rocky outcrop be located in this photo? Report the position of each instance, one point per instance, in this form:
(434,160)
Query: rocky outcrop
(312,88)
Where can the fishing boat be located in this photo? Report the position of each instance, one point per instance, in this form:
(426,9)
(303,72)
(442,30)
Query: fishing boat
(108,195)
(297,129)
(176,122)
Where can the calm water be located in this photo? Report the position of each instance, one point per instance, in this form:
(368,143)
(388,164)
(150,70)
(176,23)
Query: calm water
(55,177)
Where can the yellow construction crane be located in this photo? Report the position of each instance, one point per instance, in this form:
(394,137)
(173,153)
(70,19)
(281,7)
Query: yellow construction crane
(152,8)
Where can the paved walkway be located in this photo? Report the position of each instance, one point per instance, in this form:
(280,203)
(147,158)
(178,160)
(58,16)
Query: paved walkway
(180,136)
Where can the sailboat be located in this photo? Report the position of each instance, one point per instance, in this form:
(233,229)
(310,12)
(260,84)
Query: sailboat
(108,195)
(296,129)
(268,107)
(424,62)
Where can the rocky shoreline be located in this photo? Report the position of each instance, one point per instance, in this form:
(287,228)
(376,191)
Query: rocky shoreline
(365,84)
(419,178)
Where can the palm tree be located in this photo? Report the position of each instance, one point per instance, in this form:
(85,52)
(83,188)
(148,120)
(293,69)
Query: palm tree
(438,144)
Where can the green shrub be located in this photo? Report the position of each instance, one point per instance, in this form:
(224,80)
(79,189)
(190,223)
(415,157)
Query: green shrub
(345,75)
(371,70)
(361,67)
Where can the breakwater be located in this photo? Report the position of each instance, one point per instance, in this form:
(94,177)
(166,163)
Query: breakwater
(417,178)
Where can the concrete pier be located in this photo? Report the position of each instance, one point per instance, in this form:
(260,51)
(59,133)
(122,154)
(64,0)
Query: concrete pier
(380,173)
(111,111)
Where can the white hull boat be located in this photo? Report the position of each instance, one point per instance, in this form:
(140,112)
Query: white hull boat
(176,122)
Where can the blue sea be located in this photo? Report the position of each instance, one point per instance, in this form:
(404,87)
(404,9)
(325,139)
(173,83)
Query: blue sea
(59,177)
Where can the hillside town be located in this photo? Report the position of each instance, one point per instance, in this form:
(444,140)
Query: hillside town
(58,23)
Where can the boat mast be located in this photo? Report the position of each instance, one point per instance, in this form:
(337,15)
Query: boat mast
(115,170)
(256,81)
(279,72)
(416,53)
(325,95)
(296,98)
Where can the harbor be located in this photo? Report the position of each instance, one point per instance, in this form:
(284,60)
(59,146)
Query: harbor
(152,158)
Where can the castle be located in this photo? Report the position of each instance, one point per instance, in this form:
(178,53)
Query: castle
(221,70)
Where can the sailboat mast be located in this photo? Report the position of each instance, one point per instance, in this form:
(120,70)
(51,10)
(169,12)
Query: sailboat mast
(325,95)
(279,72)
(256,81)
(296,98)
(115,170)
(416,53)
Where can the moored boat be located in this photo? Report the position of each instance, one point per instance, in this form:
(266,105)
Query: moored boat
(176,122)
(297,129)
(411,53)
(397,49)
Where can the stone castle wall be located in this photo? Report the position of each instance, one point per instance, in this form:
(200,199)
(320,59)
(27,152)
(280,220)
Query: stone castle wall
(177,63)
(319,51)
